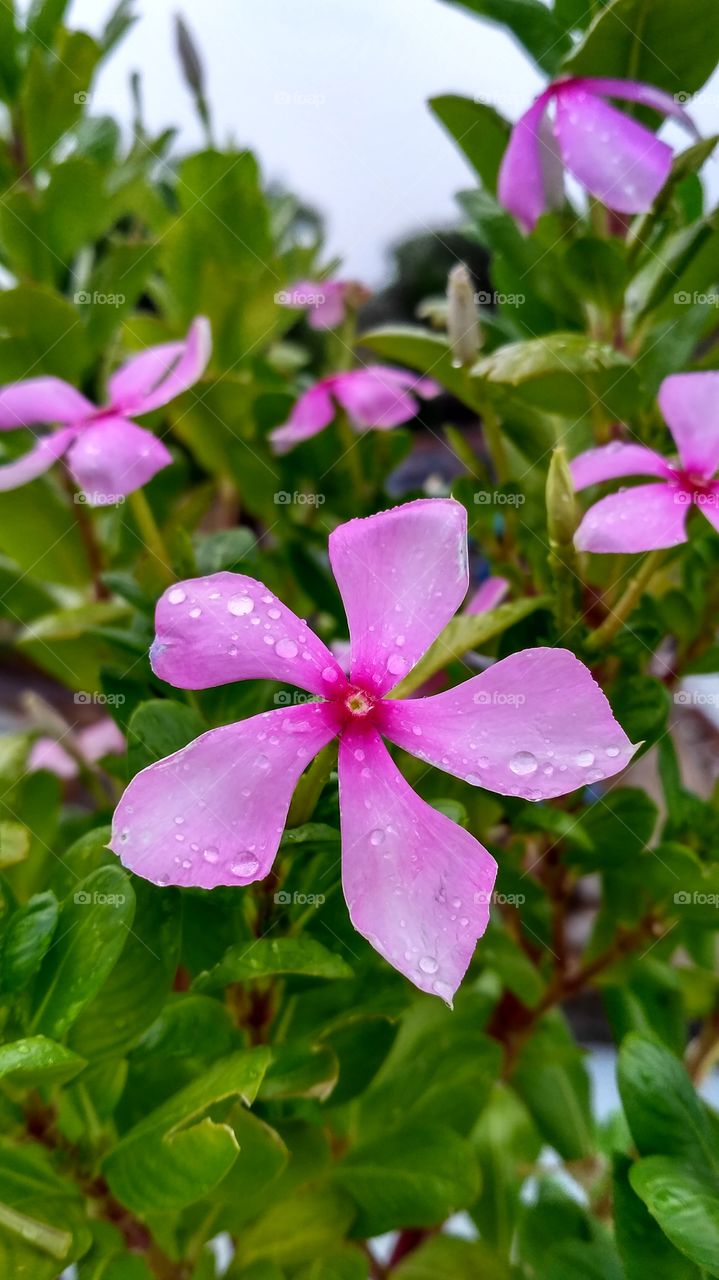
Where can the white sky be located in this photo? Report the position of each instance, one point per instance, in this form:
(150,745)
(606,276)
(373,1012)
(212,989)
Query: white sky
(331,96)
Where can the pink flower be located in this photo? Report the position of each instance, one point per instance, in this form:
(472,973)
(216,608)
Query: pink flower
(108,455)
(92,742)
(487,596)
(619,161)
(650,516)
(373,397)
(326,300)
(417,885)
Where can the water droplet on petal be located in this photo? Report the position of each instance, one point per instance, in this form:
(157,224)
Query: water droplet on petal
(376,837)
(428,964)
(585,759)
(286,649)
(176,595)
(210,855)
(523,762)
(244,865)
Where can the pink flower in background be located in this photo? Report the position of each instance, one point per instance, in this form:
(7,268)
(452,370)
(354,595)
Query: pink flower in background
(650,516)
(325,300)
(619,162)
(487,596)
(91,743)
(373,397)
(107,454)
(417,885)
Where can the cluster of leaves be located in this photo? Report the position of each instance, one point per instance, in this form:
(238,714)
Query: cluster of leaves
(182,1066)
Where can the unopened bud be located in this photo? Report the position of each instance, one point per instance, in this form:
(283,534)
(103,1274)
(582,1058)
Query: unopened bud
(462,316)
(189,57)
(561,505)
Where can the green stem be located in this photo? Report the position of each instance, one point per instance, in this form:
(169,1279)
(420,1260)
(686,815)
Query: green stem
(310,785)
(624,606)
(491,427)
(351,457)
(150,534)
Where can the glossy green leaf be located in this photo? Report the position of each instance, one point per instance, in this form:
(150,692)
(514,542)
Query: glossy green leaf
(267,956)
(37,1060)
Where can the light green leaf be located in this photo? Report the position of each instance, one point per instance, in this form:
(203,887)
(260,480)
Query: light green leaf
(37,1060)
(479,131)
(267,956)
(675,47)
(29,934)
(685,1203)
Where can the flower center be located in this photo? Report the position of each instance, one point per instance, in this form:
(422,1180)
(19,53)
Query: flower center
(359,703)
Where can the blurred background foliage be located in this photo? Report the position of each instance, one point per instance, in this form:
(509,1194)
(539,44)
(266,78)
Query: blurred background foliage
(179,1067)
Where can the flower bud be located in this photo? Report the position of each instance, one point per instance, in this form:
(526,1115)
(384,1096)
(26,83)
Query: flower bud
(462,316)
(561,506)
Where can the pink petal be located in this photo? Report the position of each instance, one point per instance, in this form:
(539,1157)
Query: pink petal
(690,404)
(490,594)
(535,725)
(37,460)
(213,813)
(635,91)
(379,398)
(617,160)
(417,886)
(161,373)
(47,753)
(41,400)
(614,460)
(708,504)
(312,412)
(402,575)
(645,518)
(113,458)
(103,738)
(323,299)
(227,627)
(521,187)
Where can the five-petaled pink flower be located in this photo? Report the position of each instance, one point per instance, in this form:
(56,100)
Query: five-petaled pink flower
(373,397)
(325,300)
(417,885)
(650,516)
(107,454)
(619,161)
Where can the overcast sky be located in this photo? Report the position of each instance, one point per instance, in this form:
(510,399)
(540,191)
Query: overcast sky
(331,95)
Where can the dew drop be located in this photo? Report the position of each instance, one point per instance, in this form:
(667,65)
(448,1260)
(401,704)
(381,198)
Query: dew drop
(428,964)
(612,751)
(329,674)
(245,865)
(240,605)
(396,664)
(210,855)
(523,762)
(195,613)
(176,596)
(376,837)
(286,649)
(585,759)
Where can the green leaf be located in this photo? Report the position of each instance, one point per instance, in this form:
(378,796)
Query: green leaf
(92,930)
(643,1247)
(619,826)
(55,90)
(9,49)
(685,1203)
(673,47)
(14,843)
(28,937)
(262,1157)
(663,1111)
(187,1025)
(37,1060)
(564,373)
(340,1264)
(465,632)
(43,1225)
(530,22)
(297,1230)
(505,1141)
(266,956)
(300,1071)
(479,131)
(159,728)
(174,1156)
(552,1081)
(447,1258)
(410,1177)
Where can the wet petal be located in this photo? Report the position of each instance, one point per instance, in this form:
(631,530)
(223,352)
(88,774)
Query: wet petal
(227,627)
(113,458)
(645,518)
(708,504)
(614,460)
(402,575)
(213,813)
(690,404)
(617,160)
(535,725)
(312,413)
(521,187)
(36,461)
(635,91)
(161,373)
(41,400)
(417,886)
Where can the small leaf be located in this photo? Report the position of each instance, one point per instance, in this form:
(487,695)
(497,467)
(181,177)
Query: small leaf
(37,1060)
(267,956)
